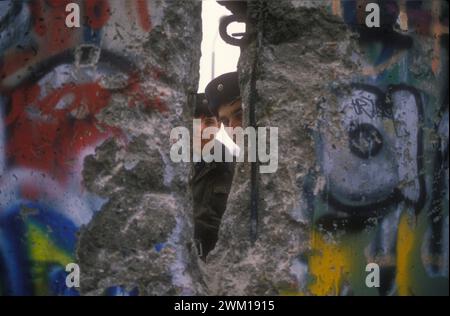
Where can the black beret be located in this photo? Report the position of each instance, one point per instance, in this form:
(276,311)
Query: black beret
(201,106)
(221,90)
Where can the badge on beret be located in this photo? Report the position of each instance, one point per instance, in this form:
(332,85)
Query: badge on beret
(222,90)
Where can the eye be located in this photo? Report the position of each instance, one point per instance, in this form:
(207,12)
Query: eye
(209,122)
(238,114)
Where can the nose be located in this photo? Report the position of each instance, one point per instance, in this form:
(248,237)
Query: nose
(365,140)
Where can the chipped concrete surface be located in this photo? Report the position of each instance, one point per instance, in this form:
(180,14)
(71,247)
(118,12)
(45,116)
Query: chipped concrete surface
(86,176)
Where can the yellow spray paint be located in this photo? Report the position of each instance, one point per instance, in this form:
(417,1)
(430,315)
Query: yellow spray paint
(44,252)
(329,264)
(405,245)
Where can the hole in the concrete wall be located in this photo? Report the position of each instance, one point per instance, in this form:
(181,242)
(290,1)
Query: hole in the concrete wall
(218,57)
(209,191)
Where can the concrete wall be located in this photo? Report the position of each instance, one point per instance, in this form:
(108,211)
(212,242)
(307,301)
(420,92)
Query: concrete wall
(363,167)
(85,173)
(85,119)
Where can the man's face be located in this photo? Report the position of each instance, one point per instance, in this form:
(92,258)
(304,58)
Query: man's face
(208,121)
(230,114)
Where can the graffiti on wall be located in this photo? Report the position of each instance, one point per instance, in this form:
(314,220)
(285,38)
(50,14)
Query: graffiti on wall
(53,83)
(384,170)
(384,160)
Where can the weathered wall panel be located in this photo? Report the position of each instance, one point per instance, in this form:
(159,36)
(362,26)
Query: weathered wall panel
(86,114)
(362,152)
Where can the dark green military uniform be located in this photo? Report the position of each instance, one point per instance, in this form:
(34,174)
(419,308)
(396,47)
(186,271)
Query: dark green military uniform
(210,183)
